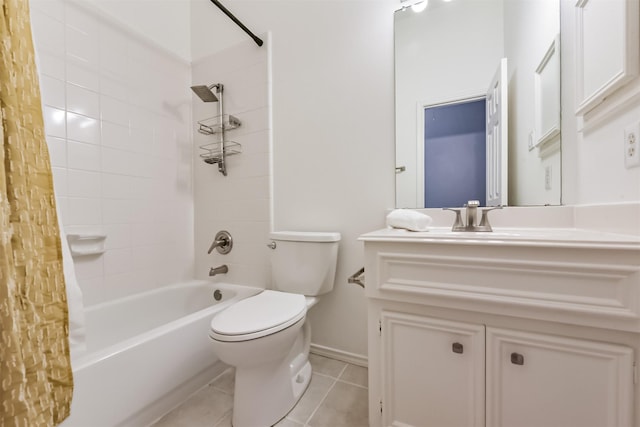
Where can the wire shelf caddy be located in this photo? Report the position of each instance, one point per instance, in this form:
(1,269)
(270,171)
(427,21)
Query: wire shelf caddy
(217,124)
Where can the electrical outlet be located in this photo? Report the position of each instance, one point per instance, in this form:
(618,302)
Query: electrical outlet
(632,146)
(547,178)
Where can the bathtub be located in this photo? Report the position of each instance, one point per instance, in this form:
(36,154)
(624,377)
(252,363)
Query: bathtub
(146,353)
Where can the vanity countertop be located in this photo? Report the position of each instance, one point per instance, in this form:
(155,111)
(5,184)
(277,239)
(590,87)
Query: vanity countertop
(565,237)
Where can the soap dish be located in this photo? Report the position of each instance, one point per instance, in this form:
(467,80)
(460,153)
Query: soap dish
(86,244)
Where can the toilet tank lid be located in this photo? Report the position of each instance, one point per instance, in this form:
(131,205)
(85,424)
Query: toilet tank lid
(305,236)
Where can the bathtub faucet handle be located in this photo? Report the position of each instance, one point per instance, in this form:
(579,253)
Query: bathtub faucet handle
(222,243)
(223,269)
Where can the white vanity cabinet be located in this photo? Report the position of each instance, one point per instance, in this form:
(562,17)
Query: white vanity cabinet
(502,329)
(545,380)
(432,371)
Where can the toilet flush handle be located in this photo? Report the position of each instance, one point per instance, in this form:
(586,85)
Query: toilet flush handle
(272,245)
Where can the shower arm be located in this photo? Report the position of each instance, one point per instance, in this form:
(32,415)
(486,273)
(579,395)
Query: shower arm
(255,38)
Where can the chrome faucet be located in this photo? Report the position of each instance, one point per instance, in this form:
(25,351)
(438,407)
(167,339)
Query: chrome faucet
(223,269)
(472,217)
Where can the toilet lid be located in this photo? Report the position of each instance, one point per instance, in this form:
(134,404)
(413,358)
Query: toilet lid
(258,316)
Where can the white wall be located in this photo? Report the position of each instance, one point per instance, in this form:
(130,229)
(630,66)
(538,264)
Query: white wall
(333,151)
(458,66)
(241,201)
(167,22)
(117,119)
(529,28)
(593,168)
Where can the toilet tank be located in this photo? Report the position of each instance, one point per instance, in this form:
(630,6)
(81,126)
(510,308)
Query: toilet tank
(304,262)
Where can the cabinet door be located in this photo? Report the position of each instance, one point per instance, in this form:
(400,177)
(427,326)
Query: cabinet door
(541,380)
(432,372)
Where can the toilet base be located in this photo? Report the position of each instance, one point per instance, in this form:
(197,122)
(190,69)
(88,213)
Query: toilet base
(265,396)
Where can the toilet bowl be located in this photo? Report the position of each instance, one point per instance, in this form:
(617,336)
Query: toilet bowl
(267,338)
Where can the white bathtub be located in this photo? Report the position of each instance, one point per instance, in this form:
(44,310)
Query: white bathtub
(146,353)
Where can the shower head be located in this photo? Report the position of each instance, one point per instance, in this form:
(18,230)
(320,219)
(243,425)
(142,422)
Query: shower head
(205,93)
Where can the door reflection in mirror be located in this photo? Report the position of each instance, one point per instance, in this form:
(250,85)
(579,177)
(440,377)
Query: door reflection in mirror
(455,153)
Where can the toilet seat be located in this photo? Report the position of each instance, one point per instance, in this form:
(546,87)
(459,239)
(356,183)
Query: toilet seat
(258,316)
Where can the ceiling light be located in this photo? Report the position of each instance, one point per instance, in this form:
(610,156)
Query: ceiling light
(419,6)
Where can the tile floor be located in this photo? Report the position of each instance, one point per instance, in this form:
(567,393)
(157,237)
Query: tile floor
(336,397)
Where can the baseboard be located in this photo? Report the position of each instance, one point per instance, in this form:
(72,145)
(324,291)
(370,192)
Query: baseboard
(344,356)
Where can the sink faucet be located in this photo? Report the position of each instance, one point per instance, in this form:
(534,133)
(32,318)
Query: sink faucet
(223,269)
(472,217)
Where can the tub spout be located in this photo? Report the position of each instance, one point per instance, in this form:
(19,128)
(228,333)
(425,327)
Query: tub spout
(218,270)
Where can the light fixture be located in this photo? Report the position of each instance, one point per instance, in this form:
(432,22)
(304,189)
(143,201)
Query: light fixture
(419,6)
(415,5)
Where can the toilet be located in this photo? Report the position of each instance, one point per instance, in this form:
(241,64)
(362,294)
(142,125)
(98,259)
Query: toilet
(266,337)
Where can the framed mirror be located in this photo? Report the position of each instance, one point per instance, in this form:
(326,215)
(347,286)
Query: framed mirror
(468,126)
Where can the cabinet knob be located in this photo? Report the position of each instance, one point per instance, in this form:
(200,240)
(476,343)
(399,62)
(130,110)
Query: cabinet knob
(517,359)
(457,348)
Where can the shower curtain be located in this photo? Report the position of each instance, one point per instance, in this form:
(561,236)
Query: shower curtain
(36,382)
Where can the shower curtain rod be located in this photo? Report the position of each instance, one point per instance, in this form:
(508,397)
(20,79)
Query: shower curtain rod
(237,21)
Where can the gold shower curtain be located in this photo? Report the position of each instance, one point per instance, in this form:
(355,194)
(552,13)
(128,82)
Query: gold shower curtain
(35,374)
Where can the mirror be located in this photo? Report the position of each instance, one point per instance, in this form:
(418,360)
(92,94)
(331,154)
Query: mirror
(447,58)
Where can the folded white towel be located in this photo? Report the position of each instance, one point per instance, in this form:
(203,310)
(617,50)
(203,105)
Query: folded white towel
(409,220)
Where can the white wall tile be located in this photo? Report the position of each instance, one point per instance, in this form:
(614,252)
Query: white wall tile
(145,234)
(93,290)
(82,75)
(121,284)
(145,210)
(84,229)
(114,88)
(53,8)
(62,205)
(119,236)
(85,156)
(50,64)
(48,33)
(117,261)
(145,257)
(82,128)
(116,161)
(52,92)
(57,151)
(113,52)
(83,101)
(83,184)
(84,211)
(54,122)
(141,118)
(88,267)
(114,111)
(141,141)
(118,186)
(82,47)
(109,174)
(252,121)
(115,136)
(117,211)
(60,181)
(84,21)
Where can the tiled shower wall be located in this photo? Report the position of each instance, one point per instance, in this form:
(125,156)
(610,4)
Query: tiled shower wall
(118,125)
(241,201)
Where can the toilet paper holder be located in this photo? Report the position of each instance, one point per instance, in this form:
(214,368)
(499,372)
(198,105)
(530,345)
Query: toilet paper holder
(357,277)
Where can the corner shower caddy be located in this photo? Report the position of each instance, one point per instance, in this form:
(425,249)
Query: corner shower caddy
(217,152)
